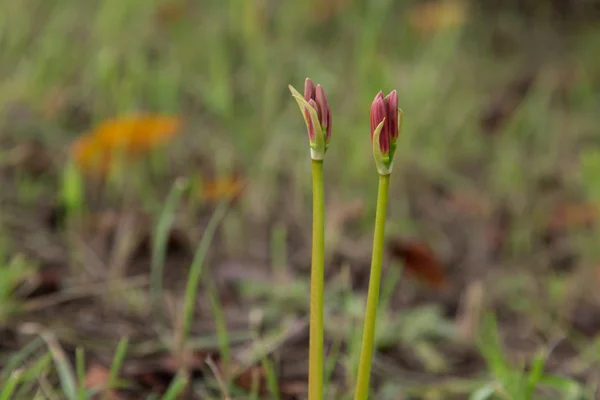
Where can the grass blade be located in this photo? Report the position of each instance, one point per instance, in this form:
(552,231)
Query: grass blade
(68,382)
(159,243)
(571,389)
(19,358)
(536,374)
(222,334)
(10,386)
(484,393)
(176,387)
(193,280)
(272,381)
(80,367)
(116,366)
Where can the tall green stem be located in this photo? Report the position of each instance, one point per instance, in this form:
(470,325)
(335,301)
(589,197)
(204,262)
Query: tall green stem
(368,340)
(317,278)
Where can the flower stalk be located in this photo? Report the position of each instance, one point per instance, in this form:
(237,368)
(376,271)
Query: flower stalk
(317,286)
(317,116)
(386,121)
(368,340)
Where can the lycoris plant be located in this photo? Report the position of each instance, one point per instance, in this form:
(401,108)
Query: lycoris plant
(317,115)
(385,122)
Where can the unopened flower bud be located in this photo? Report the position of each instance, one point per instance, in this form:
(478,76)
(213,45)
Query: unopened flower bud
(385,122)
(317,115)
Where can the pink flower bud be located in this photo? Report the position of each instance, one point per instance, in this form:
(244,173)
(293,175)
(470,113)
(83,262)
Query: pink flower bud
(385,121)
(317,115)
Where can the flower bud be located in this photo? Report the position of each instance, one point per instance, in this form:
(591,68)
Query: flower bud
(317,115)
(385,121)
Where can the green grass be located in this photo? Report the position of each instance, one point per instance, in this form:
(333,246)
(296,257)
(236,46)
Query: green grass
(225,67)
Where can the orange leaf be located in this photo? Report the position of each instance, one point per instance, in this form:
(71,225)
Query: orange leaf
(419,260)
(131,136)
(90,156)
(136,133)
(223,188)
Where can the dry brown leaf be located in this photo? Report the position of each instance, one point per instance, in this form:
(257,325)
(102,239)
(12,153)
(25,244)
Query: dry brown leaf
(498,231)
(340,213)
(568,216)
(55,102)
(97,377)
(221,189)
(471,203)
(505,104)
(471,307)
(31,156)
(171,11)
(251,377)
(420,261)
(158,374)
(46,281)
(430,17)
(297,388)
(325,10)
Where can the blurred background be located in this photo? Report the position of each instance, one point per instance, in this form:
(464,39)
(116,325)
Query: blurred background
(153,166)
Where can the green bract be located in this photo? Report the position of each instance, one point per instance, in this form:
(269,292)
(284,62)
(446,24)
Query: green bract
(383,162)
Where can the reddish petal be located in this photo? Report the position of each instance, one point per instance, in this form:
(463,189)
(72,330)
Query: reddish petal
(374,121)
(324,110)
(314,105)
(309,89)
(392,114)
(378,113)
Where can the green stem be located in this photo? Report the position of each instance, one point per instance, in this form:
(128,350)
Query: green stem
(368,341)
(317,277)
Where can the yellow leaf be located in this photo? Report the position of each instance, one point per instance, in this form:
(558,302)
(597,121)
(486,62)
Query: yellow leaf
(431,17)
